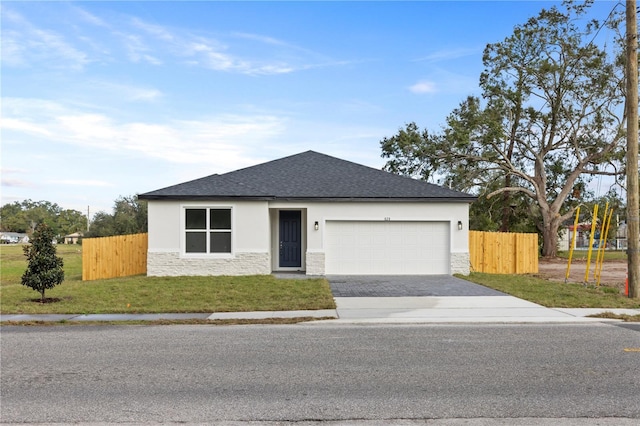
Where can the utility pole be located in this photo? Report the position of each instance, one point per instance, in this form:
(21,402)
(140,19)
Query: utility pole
(633,210)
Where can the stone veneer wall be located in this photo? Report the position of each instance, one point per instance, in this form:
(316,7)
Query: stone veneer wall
(172,265)
(460,263)
(315,263)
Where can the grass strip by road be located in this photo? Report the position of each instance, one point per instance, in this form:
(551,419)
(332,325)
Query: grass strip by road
(553,294)
(235,321)
(623,317)
(141,294)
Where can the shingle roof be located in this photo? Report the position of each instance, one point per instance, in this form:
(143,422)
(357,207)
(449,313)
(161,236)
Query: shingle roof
(307,176)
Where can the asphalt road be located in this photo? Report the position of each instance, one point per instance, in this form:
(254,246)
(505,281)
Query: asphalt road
(203,374)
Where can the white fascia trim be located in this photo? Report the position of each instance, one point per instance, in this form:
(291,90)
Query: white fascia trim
(388,219)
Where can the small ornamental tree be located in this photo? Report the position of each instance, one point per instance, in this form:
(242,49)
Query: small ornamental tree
(44,268)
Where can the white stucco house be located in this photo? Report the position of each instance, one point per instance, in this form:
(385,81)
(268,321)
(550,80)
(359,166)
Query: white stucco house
(14,238)
(311,213)
(73,238)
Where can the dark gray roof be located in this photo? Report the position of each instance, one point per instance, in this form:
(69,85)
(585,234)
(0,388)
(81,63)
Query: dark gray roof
(307,176)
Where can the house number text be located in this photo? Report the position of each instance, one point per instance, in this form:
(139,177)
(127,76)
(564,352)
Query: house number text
(387,219)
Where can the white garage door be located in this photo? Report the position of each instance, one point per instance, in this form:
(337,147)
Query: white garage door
(387,248)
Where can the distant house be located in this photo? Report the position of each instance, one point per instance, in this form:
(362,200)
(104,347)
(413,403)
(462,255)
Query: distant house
(311,213)
(580,236)
(73,238)
(13,238)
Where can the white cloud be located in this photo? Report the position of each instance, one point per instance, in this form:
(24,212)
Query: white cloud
(271,69)
(144,94)
(158,45)
(23,126)
(137,50)
(24,44)
(450,54)
(211,57)
(262,39)
(71,182)
(8,179)
(205,140)
(12,49)
(422,87)
(267,56)
(210,54)
(16,183)
(89,17)
(124,92)
(155,30)
(202,140)
(86,129)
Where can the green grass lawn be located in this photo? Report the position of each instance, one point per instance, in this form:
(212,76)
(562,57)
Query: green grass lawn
(141,294)
(582,255)
(555,294)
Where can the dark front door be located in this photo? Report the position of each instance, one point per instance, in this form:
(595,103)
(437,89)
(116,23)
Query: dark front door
(290,241)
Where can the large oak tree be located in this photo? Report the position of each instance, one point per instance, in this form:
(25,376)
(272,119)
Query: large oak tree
(550,118)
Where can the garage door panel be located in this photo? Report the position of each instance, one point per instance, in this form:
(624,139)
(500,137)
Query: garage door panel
(383,248)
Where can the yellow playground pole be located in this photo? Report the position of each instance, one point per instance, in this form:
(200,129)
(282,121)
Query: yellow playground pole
(594,220)
(606,235)
(572,243)
(599,252)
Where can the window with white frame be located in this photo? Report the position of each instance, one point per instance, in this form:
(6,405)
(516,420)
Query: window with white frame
(207,230)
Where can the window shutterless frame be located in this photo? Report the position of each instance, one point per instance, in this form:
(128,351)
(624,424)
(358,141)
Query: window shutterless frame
(219,230)
(207,230)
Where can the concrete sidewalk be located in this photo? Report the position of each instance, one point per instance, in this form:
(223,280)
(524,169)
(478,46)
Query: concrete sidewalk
(326,313)
(381,310)
(460,309)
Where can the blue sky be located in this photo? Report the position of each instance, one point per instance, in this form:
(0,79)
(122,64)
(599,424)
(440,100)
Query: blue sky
(101,99)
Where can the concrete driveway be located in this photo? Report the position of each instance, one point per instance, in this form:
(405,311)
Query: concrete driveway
(433,299)
(406,286)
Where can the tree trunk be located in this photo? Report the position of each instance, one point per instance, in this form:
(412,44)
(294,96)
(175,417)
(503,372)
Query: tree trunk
(42,296)
(550,237)
(506,208)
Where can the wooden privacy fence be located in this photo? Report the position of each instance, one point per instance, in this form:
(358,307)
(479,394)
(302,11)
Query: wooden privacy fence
(110,257)
(503,253)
